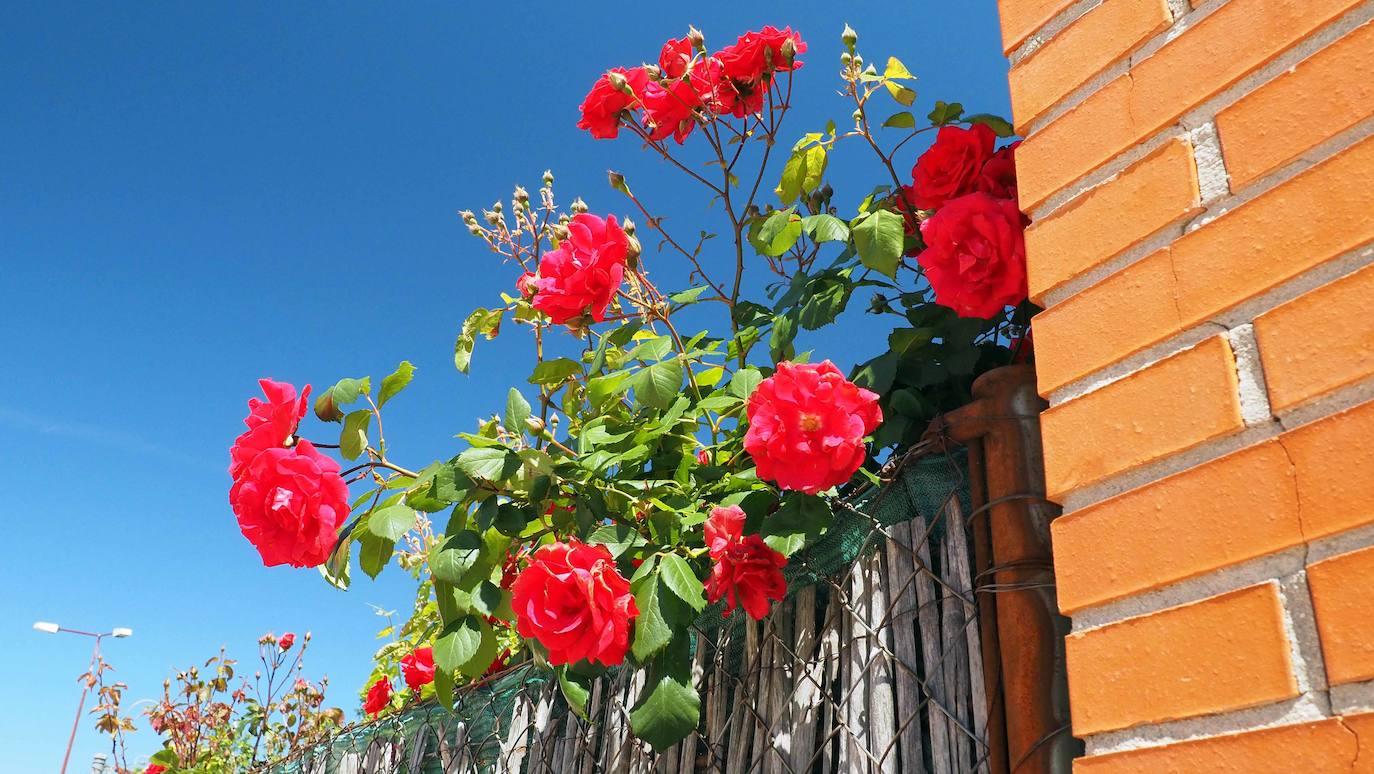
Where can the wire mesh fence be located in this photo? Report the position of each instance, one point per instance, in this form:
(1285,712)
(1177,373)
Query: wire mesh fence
(873,663)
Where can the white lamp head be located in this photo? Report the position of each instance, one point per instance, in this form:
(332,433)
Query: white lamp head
(122,631)
(44,626)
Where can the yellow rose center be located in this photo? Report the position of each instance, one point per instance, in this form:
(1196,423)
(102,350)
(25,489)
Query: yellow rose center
(810,423)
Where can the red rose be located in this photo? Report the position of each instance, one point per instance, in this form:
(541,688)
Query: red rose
(155,768)
(271,423)
(574,602)
(670,109)
(378,696)
(525,284)
(975,256)
(613,93)
(289,504)
(286,641)
(950,167)
(746,571)
(498,663)
(675,57)
(998,176)
(724,95)
(807,424)
(418,667)
(703,456)
(757,54)
(583,274)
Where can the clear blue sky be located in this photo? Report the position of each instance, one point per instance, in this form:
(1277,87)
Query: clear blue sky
(195,195)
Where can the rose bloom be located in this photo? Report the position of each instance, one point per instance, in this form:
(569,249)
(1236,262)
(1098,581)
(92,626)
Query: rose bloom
(378,696)
(271,423)
(575,603)
(951,166)
(290,504)
(583,274)
(670,107)
(746,571)
(998,176)
(155,768)
(975,256)
(675,57)
(418,667)
(758,54)
(605,105)
(286,641)
(498,663)
(703,456)
(807,424)
(525,284)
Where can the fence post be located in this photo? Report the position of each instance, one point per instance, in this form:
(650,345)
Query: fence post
(1012,545)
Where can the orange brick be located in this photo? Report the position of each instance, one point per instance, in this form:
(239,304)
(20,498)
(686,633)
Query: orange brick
(1236,38)
(1318,746)
(1231,509)
(1362,726)
(1325,94)
(1334,460)
(1098,38)
(1071,339)
(1340,598)
(1156,191)
(1308,220)
(1173,405)
(1021,18)
(1224,653)
(1299,366)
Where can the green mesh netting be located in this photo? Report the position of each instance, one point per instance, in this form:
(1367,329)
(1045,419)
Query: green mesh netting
(428,739)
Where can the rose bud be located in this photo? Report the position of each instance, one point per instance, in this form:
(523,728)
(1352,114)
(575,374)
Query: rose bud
(286,641)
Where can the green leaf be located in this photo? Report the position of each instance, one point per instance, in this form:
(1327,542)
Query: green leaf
(615,338)
(878,239)
(780,341)
(946,113)
(374,553)
(458,644)
(678,577)
(778,233)
(878,373)
(391,522)
(335,571)
(825,299)
(669,707)
(557,371)
(1001,126)
(825,228)
(657,386)
(495,464)
(395,382)
(744,381)
(902,94)
(799,520)
(166,758)
(790,185)
(690,296)
(576,689)
(902,120)
(329,405)
(652,629)
(484,321)
(353,437)
(906,341)
(450,560)
(517,411)
(444,688)
(617,538)
(816,160)
(895,69)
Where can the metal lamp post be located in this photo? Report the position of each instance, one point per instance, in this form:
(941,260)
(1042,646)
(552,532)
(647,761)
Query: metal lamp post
(52,628)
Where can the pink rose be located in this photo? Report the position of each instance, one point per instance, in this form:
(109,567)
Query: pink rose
(290,504)
(807,424)
(583,274)
(746,570)
(951,166)
(604,106)
(975,256)
(574,602)
(271,423)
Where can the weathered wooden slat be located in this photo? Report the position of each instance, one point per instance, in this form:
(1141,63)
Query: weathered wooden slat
(901,584)
(514,744)
(961,563)
(745,691)
(854,747)
(832,636)
(717,719)
(952,626)
(808,670)
(882,729)
(928,619)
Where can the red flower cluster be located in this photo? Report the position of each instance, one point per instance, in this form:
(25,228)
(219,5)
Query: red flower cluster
(575,603)
(418,668)
(690,85)
(807,424)
(288,498)
(378,696)
(746,571)
(583,274)
(975,256)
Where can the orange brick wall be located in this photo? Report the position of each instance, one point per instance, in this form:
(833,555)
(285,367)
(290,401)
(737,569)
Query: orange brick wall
(1200,179)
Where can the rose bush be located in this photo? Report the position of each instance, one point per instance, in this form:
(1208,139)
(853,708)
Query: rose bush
(644,470)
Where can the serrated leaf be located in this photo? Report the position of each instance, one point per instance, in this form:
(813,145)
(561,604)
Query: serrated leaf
(493,464)
(576,689)
(335,570)
(617,538)
(689,296)
(825,228)
(778,233)
(374,553)
(657,386)
(517,411)
(652,630)
(444,688)
(677,575)
(556,371)
(878,239)
(744,381)
(902,120)
(669,707)
(395,382)
(458,644)
(945,113)
(484,321)
(450,560)
(353,437)
(391,522)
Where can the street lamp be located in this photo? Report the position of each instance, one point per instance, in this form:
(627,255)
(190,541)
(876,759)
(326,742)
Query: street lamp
(52,628)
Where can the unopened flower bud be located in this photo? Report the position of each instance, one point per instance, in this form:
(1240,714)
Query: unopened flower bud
(521,195)
(496,208)
(535,425)
(789,50)
(620,84)
(653,72)
(325,408)
(632,252)
(697,39)
(849,37)
(846,59)
(548,177)
(468,217)
(617,180)
(628,226)
(560,232)
(579,206)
